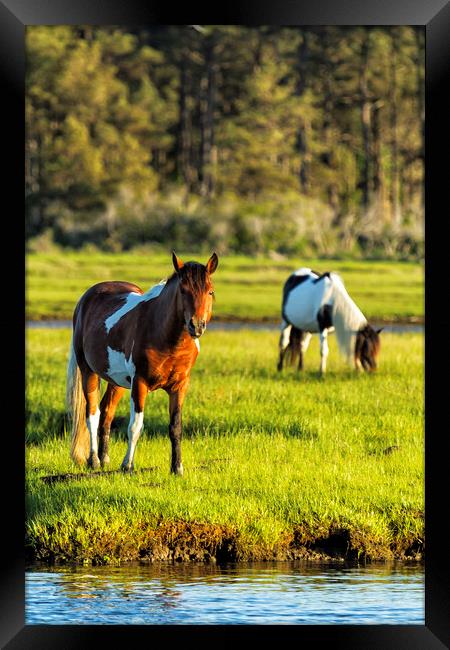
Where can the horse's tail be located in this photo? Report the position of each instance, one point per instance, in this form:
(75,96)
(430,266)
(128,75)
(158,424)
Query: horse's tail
(76,408)
(294,346)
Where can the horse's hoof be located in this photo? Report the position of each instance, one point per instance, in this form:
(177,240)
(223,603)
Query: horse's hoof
(104,462)
(177,471)
(127,469)
(93,462)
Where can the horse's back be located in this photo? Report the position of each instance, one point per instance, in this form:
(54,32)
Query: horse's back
(104,297)
(303,296)
(110,288)
(98,303)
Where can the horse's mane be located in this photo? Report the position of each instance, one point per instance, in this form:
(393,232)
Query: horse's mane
(194,275)
(346,316)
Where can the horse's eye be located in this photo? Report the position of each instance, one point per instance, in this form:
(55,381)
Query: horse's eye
(211,293)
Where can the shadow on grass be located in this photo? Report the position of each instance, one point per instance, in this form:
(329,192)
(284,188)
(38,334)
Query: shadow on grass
(45,424)
(53,424)
(293,376)
(155,427)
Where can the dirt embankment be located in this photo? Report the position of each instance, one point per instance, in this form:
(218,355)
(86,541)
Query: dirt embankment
(200,542)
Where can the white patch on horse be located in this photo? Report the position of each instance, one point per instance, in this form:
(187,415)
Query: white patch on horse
(120,368)
(197,343)
(134,431)
(307,338)
(323,350)
(133,299)
(285,334)
(305,300)
(154,291)
(92,425)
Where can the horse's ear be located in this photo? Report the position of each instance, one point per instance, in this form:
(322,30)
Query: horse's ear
(211,264)
(380,330)
(177,263)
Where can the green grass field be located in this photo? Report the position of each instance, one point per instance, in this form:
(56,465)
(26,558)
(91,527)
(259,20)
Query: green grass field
(276,465)
(245,288)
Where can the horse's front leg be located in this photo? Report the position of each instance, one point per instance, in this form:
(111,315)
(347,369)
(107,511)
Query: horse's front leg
(304,343)
(323,350)
(284,342)
(176,400)
(139,392)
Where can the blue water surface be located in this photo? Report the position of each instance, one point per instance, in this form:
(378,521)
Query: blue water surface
(263,594)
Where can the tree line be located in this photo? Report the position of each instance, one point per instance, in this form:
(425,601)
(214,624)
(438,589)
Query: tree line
(265,138)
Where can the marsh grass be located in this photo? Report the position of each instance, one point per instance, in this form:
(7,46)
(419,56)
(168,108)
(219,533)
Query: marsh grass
(276,465)
(245,288)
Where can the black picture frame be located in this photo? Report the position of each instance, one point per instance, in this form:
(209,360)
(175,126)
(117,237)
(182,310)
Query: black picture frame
(434,15)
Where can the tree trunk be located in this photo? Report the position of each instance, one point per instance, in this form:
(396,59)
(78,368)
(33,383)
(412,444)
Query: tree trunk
(207,101)
(421,104)
(184,131)
(302,133)
(365,119)
(395,176)
(377,174)
(34,187)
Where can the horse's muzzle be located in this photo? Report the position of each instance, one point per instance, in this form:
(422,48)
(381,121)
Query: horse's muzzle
(196,329)
(369,366)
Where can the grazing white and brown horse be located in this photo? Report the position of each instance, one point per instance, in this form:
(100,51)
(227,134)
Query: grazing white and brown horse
(140,341)
(314,302)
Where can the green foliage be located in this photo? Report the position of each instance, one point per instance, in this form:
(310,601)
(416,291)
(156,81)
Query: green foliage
(89,132)
(283,139)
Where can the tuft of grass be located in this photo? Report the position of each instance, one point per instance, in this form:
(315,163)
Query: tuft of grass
(277,465)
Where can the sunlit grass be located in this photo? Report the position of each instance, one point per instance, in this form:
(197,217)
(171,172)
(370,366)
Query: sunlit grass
(264,453)
(245,287)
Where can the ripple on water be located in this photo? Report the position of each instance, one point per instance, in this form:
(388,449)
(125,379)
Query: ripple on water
(282,593)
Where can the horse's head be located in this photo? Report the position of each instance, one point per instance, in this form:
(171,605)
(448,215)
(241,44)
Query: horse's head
(367,348)
(195,292)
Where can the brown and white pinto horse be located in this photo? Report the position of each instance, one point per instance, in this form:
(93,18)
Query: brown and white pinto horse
(140,341)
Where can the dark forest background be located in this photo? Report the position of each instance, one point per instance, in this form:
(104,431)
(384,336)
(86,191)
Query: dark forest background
(253,140)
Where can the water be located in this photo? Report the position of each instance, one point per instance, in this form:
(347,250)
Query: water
(265,593)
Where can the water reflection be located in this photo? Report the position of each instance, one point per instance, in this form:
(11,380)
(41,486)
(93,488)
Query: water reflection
(267,593)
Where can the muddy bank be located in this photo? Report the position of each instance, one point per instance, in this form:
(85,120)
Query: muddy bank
(177,541)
